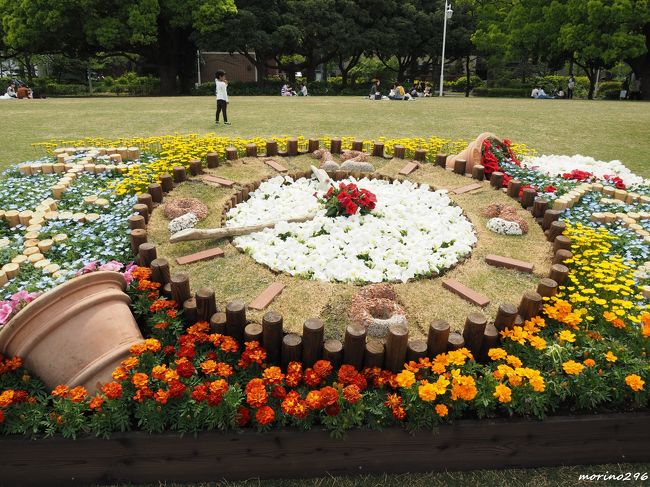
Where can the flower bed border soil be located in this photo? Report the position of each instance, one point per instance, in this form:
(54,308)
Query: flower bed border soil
(463,445)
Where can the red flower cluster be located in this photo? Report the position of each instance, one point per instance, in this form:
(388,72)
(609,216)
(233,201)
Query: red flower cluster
(348,199)
(349,375)
(618,182)
(578,175)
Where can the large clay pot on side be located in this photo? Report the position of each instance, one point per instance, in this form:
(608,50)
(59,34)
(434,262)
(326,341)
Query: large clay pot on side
(472,154)
(75,334)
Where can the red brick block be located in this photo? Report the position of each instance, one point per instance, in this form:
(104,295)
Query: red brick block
(508,263)
(409,168)
(220,181)
(203,255)
(467,188)
(275,165)
(466,293)
(268,295)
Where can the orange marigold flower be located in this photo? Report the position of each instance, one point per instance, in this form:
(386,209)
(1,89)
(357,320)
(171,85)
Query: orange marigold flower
(273,375)
(163,325)
(140,380)
(172,313)
(399,413)
(537,342)
(158,372)
(427,392)
(171,375)
(311,378)
(442,410)
(219,386)
(60,391)
(7,397)
(503,393)
(256,394)
(405,379)
(199,328)
(142,394)
(572,367)
(329,396)
(634,382)
(209,367)
(352,393)
(113,390)
(96,403)
(463,387)
(645,319)
(138,349)
(323,368)
(140,273)
(224,370)
(314,400)
(161,396)
(618,323)
(78,394)
(347,374)
(130,363)
(152,345)
(229,345)
(2,416)
(609,316)
(393,401)
(265,415)
(590,362)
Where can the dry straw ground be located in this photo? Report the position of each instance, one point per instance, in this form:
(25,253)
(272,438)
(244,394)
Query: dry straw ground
(239,276)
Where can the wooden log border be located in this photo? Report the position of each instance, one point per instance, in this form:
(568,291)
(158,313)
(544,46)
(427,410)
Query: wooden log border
(462,445)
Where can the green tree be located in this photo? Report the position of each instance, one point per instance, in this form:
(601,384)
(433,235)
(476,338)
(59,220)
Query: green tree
(162,33)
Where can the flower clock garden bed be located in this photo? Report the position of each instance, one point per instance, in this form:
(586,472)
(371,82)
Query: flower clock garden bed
(215,390)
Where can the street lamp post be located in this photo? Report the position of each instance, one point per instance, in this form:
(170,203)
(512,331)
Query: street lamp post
(448,13)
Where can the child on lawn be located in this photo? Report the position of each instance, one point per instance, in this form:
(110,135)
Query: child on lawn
(222,95)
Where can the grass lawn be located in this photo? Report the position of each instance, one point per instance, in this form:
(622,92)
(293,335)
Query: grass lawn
(605,130)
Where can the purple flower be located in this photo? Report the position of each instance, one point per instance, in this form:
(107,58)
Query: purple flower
(89,267)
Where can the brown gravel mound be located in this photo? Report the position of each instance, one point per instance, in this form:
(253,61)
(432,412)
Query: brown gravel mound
(507,212)
(181,206)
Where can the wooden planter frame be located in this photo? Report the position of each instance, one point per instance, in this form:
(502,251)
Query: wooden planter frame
(464,445)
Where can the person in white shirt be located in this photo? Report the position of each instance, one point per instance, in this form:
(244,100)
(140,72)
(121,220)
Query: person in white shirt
(222,95)
(534,93)
(303,90)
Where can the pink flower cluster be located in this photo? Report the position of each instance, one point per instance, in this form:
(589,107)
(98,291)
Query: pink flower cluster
(14,304)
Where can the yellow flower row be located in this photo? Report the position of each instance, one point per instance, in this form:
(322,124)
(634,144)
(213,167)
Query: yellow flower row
(179,150)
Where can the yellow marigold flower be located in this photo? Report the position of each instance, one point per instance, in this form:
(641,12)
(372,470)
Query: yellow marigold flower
(537,342)
(442,410)
(406,378)
(567,336)
(572,367)
(440,386)
(427,392)
(514,361)
(635,382)
(497,353)
(610,357)
(503,393)
(537,383)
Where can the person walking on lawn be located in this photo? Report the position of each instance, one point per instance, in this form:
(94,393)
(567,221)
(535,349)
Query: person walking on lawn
(222,96)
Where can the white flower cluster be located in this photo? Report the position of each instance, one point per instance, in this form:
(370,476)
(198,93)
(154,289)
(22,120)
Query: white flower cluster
(504,227)
(556,165)
(183,222)
(412,232)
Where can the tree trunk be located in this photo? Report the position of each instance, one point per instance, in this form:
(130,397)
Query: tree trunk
(167,74)
(641,66)
(467,73)
(311,73)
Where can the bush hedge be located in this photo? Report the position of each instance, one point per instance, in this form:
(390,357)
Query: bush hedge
(501,92)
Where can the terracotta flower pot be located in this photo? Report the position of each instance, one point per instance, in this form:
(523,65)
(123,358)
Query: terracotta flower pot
(472,154)
(75,334)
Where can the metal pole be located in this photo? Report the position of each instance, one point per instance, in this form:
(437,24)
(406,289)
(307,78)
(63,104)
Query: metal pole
(444,40)
(198,66)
